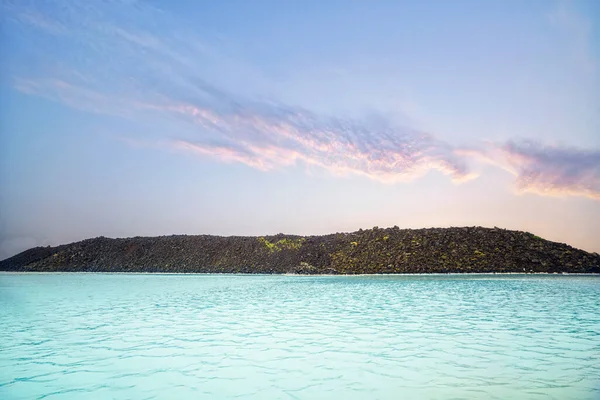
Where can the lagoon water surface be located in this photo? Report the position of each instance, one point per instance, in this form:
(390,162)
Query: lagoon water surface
(122,336)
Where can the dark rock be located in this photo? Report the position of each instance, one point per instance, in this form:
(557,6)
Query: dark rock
(377,250)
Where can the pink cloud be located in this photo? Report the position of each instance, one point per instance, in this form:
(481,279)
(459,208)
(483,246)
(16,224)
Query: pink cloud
(284,136)
(546,170)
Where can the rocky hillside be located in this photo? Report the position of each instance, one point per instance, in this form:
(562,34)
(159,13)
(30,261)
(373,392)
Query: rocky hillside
(370,251)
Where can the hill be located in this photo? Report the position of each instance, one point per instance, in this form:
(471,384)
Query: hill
(370,251)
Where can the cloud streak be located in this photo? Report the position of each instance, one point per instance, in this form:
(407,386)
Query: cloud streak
(124,69)
(555,171)
(267,136)
(546,170)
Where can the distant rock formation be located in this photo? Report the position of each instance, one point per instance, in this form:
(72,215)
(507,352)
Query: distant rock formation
(370,251)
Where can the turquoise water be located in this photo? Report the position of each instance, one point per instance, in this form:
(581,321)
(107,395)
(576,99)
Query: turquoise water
(119,336)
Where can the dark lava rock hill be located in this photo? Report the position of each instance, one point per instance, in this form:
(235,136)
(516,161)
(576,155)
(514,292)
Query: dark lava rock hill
(371,251)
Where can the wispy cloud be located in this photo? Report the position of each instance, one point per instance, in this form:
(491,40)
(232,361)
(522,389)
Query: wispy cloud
(140,72)
(546,170)
(268,136)
(42,22)
(72,95)
(109,59)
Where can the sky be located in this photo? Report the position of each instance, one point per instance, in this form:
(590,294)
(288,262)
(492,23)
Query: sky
(124,118)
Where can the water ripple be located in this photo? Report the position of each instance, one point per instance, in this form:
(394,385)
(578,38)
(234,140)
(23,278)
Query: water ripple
(97,336)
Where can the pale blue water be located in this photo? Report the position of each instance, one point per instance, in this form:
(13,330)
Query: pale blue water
(102,336)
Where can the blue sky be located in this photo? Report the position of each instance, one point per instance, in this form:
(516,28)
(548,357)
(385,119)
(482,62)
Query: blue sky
(124,118)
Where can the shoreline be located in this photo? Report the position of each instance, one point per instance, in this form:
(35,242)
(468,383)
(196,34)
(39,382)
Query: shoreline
(297,275)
